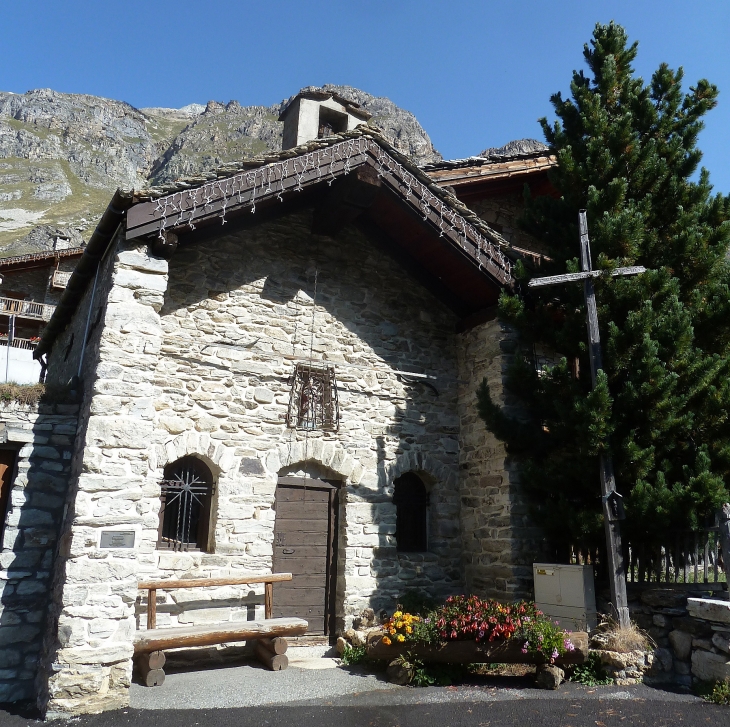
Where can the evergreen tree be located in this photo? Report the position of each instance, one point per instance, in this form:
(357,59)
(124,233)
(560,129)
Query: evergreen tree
(627,152)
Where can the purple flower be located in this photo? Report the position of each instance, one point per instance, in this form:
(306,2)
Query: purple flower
(568,644)
(555,654)
(427,620)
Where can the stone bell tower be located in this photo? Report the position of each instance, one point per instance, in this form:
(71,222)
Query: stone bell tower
(317,114)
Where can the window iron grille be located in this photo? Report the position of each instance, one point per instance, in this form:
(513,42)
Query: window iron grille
(313,399)
(186,494)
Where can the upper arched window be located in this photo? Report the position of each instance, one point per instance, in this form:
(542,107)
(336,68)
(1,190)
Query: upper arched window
(411,502)
(187,493)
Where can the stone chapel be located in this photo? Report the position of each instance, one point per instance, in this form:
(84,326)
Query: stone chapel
(271,367)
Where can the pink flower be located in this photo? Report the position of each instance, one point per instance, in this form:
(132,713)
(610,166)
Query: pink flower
(555,654)
(568,644)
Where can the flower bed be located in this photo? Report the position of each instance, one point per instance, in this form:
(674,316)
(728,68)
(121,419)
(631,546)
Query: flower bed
(467,629)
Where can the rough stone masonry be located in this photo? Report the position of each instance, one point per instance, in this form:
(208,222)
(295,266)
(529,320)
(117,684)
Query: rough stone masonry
(161,385)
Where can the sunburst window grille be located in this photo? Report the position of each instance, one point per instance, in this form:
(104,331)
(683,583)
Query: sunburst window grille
(186,494)
(313,399)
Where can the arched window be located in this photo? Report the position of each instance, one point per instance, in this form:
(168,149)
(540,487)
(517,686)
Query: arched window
(411,503)
(187,492)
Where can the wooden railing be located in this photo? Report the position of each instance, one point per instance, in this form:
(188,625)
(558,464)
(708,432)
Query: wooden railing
(687,558)
(26,309)
(26,343)
(267,579)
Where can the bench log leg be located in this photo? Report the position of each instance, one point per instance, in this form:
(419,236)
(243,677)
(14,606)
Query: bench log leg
(150,670)
(275,662)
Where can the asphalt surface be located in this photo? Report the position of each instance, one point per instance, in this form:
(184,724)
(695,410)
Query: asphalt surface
(339,697)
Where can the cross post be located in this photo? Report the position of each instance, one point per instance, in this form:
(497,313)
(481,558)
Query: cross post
(612,506)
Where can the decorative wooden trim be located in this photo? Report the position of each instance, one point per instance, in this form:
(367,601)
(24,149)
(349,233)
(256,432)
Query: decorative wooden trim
(187,208)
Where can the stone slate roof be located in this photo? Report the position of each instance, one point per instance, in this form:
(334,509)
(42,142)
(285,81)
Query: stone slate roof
(520,149)
(364,130)
(41,256)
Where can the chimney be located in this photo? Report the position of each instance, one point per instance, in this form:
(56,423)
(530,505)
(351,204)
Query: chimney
(317,115)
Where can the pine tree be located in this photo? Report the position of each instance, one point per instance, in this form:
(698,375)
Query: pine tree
(627,152)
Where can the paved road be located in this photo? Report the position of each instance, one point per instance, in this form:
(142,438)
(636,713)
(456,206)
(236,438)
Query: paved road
(574,712)
(316,697)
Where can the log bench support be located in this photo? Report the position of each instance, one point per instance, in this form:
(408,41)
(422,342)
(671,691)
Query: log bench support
(269,633)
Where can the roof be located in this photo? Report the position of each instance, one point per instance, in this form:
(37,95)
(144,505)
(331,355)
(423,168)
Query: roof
(469,177)
(189,202)
(35,259)
(460,253)
(354,108)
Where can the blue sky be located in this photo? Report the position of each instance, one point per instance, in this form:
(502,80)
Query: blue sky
(476,74)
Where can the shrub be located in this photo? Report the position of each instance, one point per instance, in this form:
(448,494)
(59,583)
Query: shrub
(591,673)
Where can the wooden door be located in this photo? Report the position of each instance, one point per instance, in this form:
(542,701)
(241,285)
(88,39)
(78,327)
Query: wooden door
(7,467)
(305,531)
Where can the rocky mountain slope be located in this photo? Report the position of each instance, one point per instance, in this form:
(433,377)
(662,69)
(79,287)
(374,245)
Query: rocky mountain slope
(63,155)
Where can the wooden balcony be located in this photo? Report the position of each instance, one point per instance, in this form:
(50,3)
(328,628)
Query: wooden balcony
(26,309)
(26,343)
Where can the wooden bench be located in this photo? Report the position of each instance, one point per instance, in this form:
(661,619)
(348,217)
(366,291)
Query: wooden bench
(269,633)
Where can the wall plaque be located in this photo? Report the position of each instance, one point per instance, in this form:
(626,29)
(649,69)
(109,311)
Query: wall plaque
(117,539)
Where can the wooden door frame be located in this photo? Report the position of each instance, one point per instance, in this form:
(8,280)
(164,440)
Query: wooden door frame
(334,487)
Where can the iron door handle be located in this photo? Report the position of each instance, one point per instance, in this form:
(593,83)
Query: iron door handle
(288,551)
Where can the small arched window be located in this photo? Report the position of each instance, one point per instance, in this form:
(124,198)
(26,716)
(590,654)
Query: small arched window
(411,503)
(186,494)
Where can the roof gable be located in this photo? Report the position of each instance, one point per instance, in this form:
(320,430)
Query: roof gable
(319,162)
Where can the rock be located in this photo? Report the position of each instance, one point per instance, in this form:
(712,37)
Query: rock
(694,626)
(709,609)
(399,672)
(681,643)
(664,598)
(709,667)
(341,645)
(549,676)
(721,641)
(663,660)
(662,621)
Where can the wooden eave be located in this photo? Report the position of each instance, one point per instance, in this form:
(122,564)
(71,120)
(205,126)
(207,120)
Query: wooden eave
(479,179)
(38,259)
(445,241)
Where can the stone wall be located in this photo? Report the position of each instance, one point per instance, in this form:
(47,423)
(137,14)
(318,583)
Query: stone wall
(42,436)
(691,628)
(499,542)
(158,385)
(368,313)
(501,212)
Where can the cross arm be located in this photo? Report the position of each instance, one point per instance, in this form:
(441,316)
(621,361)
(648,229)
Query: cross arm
(584,275)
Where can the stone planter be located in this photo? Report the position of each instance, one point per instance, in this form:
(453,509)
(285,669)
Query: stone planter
(471,652)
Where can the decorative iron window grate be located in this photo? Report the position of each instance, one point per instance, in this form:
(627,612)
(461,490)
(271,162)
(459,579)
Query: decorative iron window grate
(313,400)
(186,494)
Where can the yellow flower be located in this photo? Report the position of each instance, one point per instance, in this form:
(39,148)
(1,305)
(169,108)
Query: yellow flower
(387,641)
(400,638)
(391,630)
(397,614)
(409,630)
(399,624)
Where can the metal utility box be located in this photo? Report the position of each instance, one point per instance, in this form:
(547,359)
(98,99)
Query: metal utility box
(566,594)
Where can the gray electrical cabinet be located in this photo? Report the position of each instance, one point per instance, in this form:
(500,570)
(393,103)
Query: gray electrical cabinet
(566,594)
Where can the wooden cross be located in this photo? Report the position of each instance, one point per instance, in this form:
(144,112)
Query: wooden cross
(612,504)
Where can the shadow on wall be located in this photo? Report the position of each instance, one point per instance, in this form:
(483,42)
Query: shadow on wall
(31,530)
(367,302)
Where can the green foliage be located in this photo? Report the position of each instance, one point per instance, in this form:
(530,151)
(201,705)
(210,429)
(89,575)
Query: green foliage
(591,673)
(716,692)
(627,154)
(353,655)
(416,602)
(428,675)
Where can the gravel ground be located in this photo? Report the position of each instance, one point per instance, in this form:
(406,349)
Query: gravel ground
(313,680)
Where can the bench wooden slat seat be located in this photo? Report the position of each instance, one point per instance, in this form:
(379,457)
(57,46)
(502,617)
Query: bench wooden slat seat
(268,633)
(207,635)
